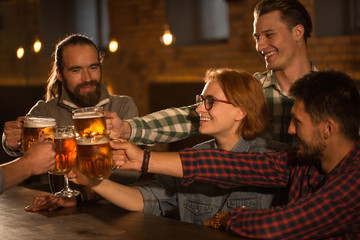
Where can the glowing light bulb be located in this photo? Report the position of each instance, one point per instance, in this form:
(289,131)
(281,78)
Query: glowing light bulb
(167,38)
(20,52)
(113,45)
(37,46)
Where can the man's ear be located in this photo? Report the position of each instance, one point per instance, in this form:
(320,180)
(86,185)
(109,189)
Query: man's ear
(59,76)
(330,127)
(298,32)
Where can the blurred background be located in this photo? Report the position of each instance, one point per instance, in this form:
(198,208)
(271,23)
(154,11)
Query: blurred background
(156,74)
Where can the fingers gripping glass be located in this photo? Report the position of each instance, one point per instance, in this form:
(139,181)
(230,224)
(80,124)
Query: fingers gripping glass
(208,101)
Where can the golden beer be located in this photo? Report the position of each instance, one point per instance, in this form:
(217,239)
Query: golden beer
(89,122)
(94,157)
(33,128)
(65,148)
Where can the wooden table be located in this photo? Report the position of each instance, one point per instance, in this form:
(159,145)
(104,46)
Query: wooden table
(90,221)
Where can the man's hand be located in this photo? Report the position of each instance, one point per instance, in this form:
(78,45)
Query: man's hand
(116,127)
(50,203)
(12,130)
(126,155)
(218,221)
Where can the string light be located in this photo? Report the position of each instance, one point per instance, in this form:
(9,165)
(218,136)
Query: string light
(167,38)
(20,52)
(113,45)
(37,46)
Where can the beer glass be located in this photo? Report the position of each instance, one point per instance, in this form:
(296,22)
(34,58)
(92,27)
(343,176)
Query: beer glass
(89,121)
(65,148)
(33,128)
(94,156)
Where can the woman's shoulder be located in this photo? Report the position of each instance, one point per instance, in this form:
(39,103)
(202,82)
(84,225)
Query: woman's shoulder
(262,144)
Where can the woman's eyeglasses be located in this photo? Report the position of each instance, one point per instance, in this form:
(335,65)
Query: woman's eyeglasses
(208,101)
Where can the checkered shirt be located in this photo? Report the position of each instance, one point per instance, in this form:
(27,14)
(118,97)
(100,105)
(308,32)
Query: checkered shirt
(318,208)
(280,104)
(167,125)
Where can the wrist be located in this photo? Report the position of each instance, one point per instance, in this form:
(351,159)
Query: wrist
(219,220)
(127,131)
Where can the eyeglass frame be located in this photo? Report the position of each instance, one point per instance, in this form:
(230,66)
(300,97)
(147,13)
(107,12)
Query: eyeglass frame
(211,100)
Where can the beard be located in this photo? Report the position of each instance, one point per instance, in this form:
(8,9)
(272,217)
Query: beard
(312,150)
(85,100)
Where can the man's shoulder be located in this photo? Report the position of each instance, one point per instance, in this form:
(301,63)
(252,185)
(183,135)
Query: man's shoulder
(123,98)
(43,103)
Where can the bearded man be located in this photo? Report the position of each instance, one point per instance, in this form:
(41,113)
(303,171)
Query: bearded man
(75,82)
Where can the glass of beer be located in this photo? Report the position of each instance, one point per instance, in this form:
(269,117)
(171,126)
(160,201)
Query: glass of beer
(33,128)
(94,156)
(89,121)
(65,148)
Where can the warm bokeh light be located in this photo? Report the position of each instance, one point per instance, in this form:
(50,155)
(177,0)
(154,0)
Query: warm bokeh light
(20,52)
(37,46)
(167,38)
(113,45)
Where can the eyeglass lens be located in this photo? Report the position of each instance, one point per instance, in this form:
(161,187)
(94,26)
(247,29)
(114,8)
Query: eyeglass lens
(208,101)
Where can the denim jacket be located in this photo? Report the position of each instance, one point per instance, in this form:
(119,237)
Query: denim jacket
(201,200)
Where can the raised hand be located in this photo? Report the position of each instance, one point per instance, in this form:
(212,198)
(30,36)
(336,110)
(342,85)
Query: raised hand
(12,131)
(116,127)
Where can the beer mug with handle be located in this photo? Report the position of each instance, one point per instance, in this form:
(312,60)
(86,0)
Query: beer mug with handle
(33,128)
(94,156)
(89,121)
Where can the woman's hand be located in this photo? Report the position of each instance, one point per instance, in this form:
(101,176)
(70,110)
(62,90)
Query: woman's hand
(50,203)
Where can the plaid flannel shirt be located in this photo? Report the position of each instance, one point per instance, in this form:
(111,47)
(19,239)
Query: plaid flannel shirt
(280,104)
(165,126)
(318,208)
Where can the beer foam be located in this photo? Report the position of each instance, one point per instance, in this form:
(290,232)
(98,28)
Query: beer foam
(89,141)
(39,122)
(83,115)
(65,136)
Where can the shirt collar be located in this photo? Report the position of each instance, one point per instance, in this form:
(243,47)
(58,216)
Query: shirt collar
(270,79)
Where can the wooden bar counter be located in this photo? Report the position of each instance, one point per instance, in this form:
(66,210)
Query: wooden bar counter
(92,220)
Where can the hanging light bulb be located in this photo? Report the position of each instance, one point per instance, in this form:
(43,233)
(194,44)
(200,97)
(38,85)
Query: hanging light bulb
(167,38)
(113,45)
(20,52)
(37,45)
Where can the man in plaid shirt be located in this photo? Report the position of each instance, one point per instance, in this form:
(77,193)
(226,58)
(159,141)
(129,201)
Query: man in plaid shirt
(281,29)
(323,173)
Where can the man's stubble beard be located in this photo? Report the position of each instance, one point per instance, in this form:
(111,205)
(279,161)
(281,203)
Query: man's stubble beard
(314,150)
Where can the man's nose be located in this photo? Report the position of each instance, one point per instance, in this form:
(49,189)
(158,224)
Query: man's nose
(261,44)
(86,76)
(291,129)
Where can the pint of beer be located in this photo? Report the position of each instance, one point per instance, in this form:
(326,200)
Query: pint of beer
(65,148)
(33,128)
(89,122)
(94,156)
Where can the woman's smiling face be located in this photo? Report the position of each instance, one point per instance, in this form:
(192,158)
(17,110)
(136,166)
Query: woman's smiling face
(223,119)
